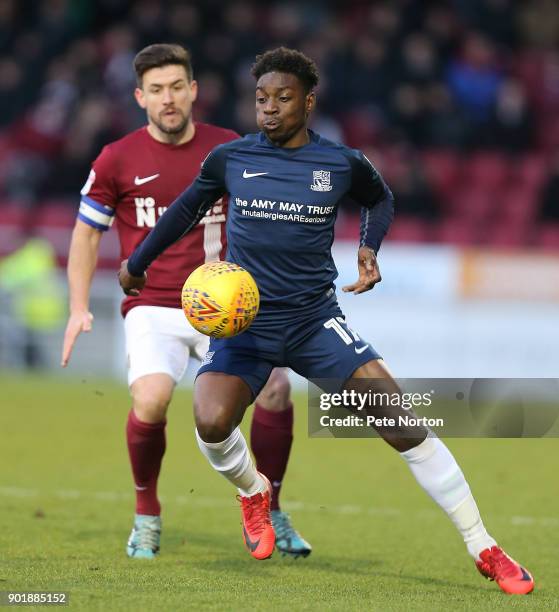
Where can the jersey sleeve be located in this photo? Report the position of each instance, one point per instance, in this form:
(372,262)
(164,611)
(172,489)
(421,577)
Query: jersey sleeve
(377,202)
(99,195)
(184,213)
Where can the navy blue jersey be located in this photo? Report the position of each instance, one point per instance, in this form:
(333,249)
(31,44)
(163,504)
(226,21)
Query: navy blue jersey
(283,204)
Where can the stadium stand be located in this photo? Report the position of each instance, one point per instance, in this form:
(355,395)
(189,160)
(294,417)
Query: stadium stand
(456,102)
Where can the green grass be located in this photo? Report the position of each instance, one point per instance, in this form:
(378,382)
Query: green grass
(379,541)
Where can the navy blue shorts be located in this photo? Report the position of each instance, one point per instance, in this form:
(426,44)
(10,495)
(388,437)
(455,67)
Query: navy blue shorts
(317,346)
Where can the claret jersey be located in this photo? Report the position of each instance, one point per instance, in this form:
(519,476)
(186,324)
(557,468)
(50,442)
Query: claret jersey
(283,204)
(132,182)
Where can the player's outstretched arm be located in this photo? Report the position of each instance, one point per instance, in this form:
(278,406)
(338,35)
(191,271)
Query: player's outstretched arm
(377,211)
(183,214)
(369,273)
(82,260)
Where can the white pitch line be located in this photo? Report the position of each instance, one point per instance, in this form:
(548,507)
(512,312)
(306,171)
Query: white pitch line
(294,506)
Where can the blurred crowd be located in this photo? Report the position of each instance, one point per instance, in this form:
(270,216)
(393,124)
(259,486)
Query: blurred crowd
(401,79)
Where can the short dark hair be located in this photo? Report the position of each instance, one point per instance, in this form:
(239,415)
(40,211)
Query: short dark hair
(161,54)
(290,61)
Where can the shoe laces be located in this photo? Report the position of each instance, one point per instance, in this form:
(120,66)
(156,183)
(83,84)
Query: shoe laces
(255,512)
(148,535)
(501,564)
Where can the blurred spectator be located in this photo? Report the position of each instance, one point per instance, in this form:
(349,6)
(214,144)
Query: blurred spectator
(411,189)
(550,193)
(408,114)
(88,132)
(29,277)
(22,175)
(118,49)
(512,123)
(12,90)
(59,23)
(84,58)
(539,72)
(495,18)
(369,81)
(442,26)
(241,22)
(419,64)
(444,124)
(384,20)
(474,78)
(538,22)
(42,129)
(327,127)
(244,117)
(8,19)
(285,24)
(184,23)
(148,22)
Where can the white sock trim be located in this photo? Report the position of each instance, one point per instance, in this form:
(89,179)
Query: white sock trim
(422,451)
(224,444)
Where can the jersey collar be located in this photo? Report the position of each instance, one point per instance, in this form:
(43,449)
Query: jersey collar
(313,138)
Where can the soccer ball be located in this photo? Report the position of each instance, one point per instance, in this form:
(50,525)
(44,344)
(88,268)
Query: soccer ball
(220,299)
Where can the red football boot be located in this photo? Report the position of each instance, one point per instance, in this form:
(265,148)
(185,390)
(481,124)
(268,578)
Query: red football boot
(258,532)
(496,565)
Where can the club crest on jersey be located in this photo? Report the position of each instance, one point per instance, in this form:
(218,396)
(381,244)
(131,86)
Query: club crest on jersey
(321,180)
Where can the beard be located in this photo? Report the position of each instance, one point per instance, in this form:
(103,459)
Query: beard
(175,129)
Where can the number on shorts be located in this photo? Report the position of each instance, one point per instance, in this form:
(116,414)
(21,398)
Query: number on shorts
(335,324)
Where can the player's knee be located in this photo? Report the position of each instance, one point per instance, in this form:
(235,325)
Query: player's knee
(150,408)
(213,431)
(213,422)
(151,396)
(275,395)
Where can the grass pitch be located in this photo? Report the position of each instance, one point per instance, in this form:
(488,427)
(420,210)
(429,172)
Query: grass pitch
(66,506)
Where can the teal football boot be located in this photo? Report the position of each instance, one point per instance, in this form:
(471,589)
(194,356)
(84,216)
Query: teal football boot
(143,542)
(288,541)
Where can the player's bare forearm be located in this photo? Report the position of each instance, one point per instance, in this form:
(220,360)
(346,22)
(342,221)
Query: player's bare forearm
(369,272)
(82,260)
